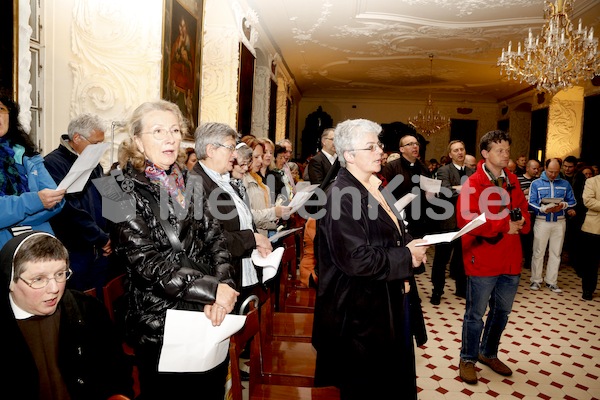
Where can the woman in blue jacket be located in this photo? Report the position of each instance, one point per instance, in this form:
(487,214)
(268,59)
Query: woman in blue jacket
(28,195)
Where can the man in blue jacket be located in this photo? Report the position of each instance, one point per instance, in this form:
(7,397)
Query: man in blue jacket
(551,198)
(80,226)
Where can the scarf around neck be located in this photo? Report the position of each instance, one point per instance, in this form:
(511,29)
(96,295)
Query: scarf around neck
(11,181)
(172,180)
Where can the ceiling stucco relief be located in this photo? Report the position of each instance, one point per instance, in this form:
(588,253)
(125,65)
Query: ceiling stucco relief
(467,7)
(361,43)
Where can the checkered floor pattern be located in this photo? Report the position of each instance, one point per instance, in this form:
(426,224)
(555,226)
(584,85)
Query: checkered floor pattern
(552,344)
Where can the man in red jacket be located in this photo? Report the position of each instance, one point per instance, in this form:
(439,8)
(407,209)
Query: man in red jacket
(491,253)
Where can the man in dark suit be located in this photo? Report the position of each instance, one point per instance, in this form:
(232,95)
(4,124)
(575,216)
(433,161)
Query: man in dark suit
(452,176)
(408,165)
(321,163)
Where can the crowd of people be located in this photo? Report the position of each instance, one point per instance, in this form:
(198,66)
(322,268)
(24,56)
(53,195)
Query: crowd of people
(198,213)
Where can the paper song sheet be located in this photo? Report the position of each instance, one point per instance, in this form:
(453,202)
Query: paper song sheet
(404,201)
(302,197)
(429,185)
(79,173)
(192,344)
(270,264)
(450,236)
(283,233)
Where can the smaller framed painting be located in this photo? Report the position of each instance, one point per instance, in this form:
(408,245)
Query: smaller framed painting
(182,61)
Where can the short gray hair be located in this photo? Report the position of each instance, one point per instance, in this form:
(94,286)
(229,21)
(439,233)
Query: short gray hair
(348,132)
(282,142)
(85,125)
(244,153)
(212,133)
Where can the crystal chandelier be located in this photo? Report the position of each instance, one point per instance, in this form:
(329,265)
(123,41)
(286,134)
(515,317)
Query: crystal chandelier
(558,58)
(429,120)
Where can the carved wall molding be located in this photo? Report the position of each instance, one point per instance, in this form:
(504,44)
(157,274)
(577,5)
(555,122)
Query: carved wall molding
(565,124)
(24,75)
(260,101)
(220,61)
(115,59)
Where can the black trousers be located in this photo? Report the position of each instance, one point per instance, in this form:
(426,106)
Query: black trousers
(588,258)
(445,252)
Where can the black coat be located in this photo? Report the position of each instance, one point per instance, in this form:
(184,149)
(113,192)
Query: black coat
(91,358)
(156,279)
(418,223)
(80,225)
(318,167)
(240,243)
(360,320)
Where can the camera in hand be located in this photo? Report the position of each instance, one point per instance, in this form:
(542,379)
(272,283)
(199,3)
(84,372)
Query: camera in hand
(515,214)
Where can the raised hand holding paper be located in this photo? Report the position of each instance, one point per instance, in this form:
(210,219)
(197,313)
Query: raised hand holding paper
(450,236)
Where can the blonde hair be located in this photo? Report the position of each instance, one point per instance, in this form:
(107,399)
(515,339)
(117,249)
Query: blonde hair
(128,150)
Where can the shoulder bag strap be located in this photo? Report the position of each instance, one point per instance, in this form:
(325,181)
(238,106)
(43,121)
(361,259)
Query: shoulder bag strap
(167,227)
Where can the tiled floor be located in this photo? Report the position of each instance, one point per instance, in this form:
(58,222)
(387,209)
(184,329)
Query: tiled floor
(552,343)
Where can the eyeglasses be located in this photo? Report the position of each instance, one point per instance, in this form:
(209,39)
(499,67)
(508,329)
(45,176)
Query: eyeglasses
(40,282)
(88,140)
(162,133)
(229,147)
(372,147)
(411,144)
(243,165)
(3,110)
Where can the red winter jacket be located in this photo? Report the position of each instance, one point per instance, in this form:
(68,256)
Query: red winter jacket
(489,250)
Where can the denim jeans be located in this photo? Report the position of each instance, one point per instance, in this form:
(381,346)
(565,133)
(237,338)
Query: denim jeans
(499,291)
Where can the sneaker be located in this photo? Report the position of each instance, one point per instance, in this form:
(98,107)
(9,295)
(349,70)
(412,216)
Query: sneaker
(467,372)
(534,286)
(554,288)
(496,365)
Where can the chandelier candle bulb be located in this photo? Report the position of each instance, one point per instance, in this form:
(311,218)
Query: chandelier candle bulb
(560,57)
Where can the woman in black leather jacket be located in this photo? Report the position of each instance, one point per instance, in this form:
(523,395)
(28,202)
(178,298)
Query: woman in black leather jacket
(159,277)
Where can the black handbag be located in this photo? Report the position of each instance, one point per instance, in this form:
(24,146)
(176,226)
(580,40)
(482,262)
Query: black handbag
(172,236)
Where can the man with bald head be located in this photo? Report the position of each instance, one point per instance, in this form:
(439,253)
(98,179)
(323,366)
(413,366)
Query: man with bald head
(551,198)
(470,162)
(407,170)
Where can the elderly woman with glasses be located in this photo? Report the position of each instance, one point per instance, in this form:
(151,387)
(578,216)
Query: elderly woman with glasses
(61,343)
(180,262)
(215,145)
(367,310)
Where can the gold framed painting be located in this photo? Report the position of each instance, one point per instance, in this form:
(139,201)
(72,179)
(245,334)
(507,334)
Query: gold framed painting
(182,57)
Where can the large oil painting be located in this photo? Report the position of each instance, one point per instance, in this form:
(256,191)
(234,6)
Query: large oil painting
(182,47)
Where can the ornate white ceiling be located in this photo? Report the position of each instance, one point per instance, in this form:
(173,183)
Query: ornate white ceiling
(380,48)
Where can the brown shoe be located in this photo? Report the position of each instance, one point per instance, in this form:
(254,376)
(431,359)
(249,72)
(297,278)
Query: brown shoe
(496,365)
(467,372)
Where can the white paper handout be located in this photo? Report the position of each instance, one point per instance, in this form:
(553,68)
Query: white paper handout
(429,185)
(192,344)
(450,236)
(270,264)
(302,197)
(282,233)
(79,173)
(404,201)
